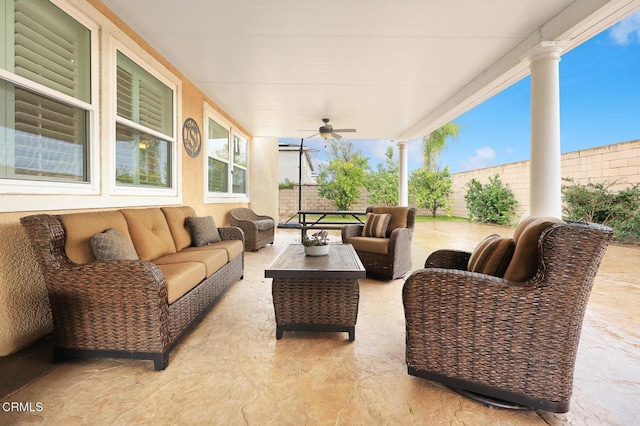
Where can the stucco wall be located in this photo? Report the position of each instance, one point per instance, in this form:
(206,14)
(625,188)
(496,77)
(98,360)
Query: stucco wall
(263,180)
(24,312)
(619,163)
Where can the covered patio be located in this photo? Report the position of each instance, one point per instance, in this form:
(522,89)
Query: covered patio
(232,370)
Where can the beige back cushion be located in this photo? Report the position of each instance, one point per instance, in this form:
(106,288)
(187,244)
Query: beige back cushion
(398,217)
(149,232)
(525,258)
(176,217)
(80,227)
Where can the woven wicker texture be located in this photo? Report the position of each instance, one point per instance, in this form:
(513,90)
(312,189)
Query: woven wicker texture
(258,230)
(397,261)
(316,301)
(515,341)
(117,305)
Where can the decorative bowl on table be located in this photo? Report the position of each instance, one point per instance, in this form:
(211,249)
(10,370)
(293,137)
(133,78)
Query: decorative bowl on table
(316,250)
(317,245)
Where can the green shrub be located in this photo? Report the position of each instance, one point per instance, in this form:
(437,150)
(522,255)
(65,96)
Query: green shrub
(492,202)
(596,202)
(287,184)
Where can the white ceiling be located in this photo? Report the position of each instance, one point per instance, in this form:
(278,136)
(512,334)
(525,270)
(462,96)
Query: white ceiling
(392,69)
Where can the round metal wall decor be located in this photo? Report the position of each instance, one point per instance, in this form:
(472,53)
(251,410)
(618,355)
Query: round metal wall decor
(191,138)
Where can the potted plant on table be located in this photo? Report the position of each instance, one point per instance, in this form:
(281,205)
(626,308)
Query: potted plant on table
(317,245)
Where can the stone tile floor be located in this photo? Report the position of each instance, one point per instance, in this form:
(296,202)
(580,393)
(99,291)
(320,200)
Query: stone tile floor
(231,370)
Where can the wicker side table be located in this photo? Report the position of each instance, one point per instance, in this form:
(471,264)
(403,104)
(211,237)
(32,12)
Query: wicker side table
(316,293)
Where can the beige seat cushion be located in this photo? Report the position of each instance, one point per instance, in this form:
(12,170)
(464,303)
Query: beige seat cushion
(492,256)
(176,218)
(233,248)
(79,227)
(213,259)
(398,217)
(525,257)
(370,244)
(181,277)
(149,232)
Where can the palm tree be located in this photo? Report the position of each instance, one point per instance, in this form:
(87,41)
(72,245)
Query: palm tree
(434,143)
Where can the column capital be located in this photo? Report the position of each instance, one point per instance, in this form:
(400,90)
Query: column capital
(550,49)
(402,143)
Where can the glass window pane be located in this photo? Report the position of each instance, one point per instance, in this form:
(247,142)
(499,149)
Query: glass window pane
(51,48)
(142,98)
(218,176)
(240,151)
(45,139)
(141,159)
(239,180)
(218,143)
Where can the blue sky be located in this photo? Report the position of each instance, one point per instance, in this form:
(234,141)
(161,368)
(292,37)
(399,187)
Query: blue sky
(599,105)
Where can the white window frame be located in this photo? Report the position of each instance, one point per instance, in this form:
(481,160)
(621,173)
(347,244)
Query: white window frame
(174,84)
(229,196)
(44,187)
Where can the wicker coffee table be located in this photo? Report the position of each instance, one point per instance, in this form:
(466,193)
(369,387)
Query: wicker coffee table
(316,293)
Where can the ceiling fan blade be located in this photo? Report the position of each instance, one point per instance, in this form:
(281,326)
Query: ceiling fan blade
(336,136)
(344,130)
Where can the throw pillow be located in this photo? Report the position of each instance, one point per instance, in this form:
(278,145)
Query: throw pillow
(376,225)
(203,230)
(112,245)
(492,256)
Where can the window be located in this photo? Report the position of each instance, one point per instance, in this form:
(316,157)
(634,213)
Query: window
(145,140)
(45,94)
(226,160)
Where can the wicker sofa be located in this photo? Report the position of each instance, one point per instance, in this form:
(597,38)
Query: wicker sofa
(130,308)
(511,340)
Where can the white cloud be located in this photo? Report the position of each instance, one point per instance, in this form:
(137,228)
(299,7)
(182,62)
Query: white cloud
(627,30)
(484,158)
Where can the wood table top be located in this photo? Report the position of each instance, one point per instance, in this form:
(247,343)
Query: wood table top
(341,262)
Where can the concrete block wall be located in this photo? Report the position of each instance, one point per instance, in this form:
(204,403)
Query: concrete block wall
(311,200)
(617,163)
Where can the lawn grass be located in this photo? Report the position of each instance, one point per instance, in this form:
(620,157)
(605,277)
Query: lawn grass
(419,218)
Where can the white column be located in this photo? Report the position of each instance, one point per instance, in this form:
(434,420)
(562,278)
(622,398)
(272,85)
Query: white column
(403,181)
(546,181)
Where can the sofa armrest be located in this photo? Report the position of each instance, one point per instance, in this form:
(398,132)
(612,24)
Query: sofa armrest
(448,259)
(115,305)
(349,231)
(231,233)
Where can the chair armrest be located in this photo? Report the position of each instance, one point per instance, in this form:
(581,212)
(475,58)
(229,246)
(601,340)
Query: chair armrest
(400,240)
(453,311)
(448,259)
(349,231)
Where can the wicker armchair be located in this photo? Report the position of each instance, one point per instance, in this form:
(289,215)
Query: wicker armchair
(386,258)
(259,230)
(500,341)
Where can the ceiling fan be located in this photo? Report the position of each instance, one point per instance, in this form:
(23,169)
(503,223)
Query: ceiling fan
(327,131)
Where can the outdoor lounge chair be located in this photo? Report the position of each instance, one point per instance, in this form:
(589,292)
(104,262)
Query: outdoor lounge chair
(509,340)
(259,230)
(385,255)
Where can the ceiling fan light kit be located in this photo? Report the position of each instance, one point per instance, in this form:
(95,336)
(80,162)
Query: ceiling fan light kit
(326,131)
